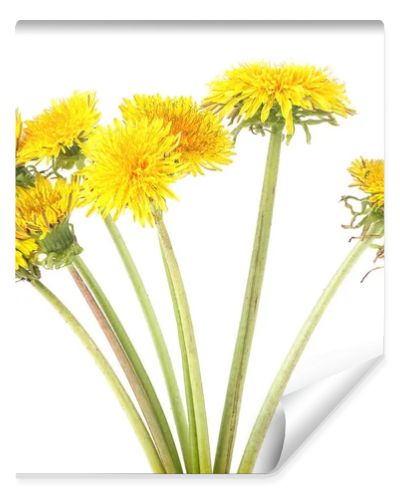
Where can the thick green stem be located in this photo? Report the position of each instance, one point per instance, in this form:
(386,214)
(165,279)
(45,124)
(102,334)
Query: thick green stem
(281,380)
(230,416)
(115,384)
(158,339)
(152,410)
(198,430)
(193,466)
(130,373)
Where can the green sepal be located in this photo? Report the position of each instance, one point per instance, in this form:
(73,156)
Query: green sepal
(70,158)
(303,117)
(368,218)
(30,274)
(59,247)
(23,177)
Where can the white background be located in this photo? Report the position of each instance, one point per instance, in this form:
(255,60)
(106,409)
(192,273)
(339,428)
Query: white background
(361,462)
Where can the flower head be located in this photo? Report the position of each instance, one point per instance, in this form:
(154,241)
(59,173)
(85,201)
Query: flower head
(60,129)
(46,205)
(25,248)
(23,176)
(18,130)
(204,141)
(368,175)
(43,212)
(262,93)
(368,212)
(132,166)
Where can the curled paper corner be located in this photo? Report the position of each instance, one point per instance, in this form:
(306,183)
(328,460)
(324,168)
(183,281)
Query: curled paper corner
(302,410)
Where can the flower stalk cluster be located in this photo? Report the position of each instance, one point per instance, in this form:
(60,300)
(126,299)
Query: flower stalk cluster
(66,161)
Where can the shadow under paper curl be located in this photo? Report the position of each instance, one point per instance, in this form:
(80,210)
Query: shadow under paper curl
(300,412)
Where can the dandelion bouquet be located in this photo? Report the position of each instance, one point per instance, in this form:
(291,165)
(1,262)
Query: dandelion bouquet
(66,161)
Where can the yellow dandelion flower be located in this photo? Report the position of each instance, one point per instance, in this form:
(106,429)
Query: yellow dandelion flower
(19,127)
(204,141)
(45,205)
(132,166)
(66,124)
(368,175)
(23,177)
(25,248)
(255,90)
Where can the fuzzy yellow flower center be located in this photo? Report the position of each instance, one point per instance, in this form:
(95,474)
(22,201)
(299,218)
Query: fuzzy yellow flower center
(45,205)
(255,89)
(131,167)
(368,175)
(67,123)
(204,141)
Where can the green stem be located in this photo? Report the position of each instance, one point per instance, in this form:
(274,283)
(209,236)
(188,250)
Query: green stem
(130,373)
(152,410)
(230,416)
(281,380)
(157,336)
(193,466)
(198,430)
(115,384)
